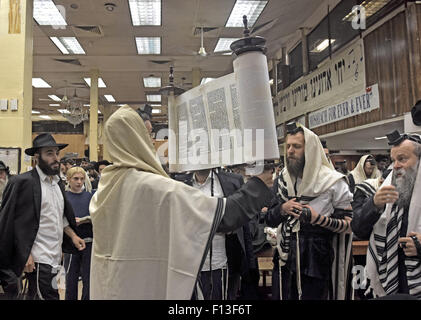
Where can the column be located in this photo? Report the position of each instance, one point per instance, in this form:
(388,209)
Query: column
(16,65)
(93,117)
(196,76)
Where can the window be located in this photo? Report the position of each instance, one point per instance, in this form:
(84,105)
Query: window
(296,63)
(341,30)
(318,44)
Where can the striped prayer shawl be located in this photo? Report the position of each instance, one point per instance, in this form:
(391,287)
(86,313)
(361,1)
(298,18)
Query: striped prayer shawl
(366,188)
(384,251)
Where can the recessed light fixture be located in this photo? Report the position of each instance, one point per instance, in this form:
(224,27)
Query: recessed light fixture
(109,98)
(68,45)
(371,8)
(152,82)
(148,45)
(47,14)
(35,112)
(110,6)
(322,45)
(54,97)
(145,12)
(45,117)
(101,83)
(39,83)
(153,97)
(155,111)
(252,9)
(224,44)
(54,105)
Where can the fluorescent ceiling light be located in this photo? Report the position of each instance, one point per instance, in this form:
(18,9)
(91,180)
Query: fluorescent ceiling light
(35,112)
(224,44)
(156,111)
(54,105)
(47,14)
(155,105)
(54,97)
(145,12)
(206,80)
(371,8)
(45,117)
(322,45)
(148,45)
(63,111)
(39,83)
(86,105)
(252,9)
(152,82)
(109,98)
(101,83)
(68,45)
(380,138)
(153,97)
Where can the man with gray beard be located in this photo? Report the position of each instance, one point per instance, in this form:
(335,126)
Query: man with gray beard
(391,220)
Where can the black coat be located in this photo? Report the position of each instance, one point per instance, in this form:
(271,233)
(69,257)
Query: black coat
(238,245)
(20,217)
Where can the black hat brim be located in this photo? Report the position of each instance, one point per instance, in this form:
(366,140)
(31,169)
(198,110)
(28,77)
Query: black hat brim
(32,151)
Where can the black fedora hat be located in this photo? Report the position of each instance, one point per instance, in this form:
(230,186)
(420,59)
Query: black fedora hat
(43,140)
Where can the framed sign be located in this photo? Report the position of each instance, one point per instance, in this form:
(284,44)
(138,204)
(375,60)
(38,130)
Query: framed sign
(11,157)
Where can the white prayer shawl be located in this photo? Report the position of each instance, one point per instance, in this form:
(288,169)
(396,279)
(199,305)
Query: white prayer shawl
(414,224)
(318,177)
(151,233)
(359,174)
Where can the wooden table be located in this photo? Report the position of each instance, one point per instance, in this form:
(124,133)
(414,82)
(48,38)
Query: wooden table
(359,248)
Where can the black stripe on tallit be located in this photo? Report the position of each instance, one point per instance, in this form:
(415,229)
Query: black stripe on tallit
(366,188)
(216,221)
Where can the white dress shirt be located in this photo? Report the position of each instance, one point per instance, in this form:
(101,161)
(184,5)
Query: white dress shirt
(219,256)
(47,245)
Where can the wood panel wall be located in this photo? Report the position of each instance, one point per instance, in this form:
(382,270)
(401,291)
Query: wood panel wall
(76,143)
(392,60)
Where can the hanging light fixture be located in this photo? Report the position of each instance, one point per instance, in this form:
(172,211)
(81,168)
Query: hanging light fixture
(76,112)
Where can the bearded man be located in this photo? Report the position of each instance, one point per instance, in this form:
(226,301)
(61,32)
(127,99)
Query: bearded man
(4,177)
(391,219)
(36,224)
(366,168)
(312,216)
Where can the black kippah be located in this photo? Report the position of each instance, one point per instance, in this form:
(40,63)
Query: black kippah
(292,128)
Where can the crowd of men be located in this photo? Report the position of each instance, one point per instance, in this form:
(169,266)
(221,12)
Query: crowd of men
(131,231)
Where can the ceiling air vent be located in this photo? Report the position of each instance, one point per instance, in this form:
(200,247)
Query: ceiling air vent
(69,61)
(88,31)
(160,61)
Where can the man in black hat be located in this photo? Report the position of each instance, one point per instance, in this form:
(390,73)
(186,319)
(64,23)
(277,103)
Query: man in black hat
(391,219)
(37,223)
(4,177)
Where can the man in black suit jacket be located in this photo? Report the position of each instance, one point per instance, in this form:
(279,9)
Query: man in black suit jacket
(36,224)
(242,263)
